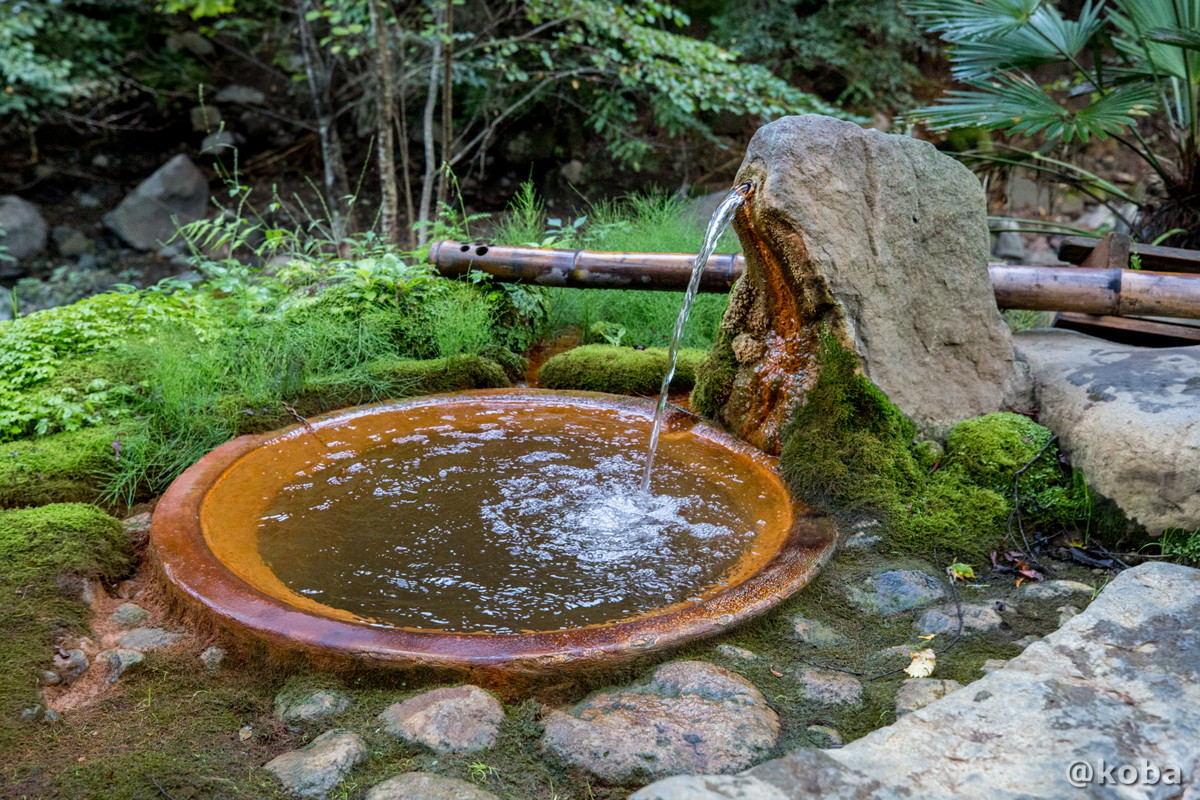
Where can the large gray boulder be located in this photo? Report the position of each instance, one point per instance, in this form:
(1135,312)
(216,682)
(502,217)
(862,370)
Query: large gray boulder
(691,717)
(1117,687)
(1129,417)
(176,194)
(23,230)
(882,241)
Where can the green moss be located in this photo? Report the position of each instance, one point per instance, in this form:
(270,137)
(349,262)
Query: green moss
(620,370)
(37,545)
(714,377)
(991,449)
(385,378)
(847,448)
(44,542)
(62,468)
(952,516)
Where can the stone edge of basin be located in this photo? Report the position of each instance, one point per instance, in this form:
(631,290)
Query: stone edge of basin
(203,583)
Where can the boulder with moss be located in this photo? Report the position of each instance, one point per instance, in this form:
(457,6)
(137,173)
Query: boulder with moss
(618,370)
(882,242)
(38,547)
(61,468)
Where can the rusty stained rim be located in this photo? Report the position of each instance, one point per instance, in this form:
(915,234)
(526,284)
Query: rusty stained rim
(180,548)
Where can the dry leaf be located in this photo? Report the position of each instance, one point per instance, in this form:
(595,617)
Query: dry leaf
(923,662)
(928,637)
(776,673)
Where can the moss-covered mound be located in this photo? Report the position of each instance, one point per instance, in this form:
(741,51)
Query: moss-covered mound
(62,468)
(37,545)
(619,370)
(41,543)
(714,378)
(849,450)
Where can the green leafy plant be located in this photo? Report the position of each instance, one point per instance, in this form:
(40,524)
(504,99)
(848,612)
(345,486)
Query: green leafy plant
(1132,73)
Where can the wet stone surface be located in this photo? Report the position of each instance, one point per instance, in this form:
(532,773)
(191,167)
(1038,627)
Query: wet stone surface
(895,591)
(691,717)
(457,719)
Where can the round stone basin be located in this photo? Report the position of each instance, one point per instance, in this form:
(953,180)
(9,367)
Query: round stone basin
(498,530)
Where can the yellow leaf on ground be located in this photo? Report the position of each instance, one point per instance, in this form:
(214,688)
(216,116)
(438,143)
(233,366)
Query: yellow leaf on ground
(923,662)
(927,638)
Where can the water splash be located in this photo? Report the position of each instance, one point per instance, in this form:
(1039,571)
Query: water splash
(716,226)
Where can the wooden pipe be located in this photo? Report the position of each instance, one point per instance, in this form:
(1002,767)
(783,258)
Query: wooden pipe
(1112,291)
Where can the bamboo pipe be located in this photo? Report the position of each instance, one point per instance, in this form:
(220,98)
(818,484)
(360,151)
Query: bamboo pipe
(1114,292)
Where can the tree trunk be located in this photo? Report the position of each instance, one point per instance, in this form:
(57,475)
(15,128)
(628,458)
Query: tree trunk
(405,158)
(390,222)
(447,106)
(427,125)
(319,74)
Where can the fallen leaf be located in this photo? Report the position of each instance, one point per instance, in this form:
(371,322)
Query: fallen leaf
(923,662)
(960,571)
(776,673)
(1019,581)
(927,637)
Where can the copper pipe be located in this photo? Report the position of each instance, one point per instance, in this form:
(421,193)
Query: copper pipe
(1115,292)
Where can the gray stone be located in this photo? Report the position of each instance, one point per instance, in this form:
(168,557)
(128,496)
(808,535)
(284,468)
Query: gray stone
(830,687)
(1128,417)
(128,615)
(1053,590)
(1100,216)
(816,633)
(70,242)
(313,770)
(896,591)
(218,143)
(891,658)
(839,218)
(824,735)
(736,653)
(1065,613)
(22,228)
(205,118)
(31,713)
(691,716)
(916,693)
(148,639)
(176,194)
(1009,243)
(309,706)
(1025,641)
(119,662)
(1118,684)
(137,528)
(241,94)
(69,665)
(992,664)
(456,719)
(50,678)
(212,658)
(427,786)
(51,716)
(709,787)
(975,619)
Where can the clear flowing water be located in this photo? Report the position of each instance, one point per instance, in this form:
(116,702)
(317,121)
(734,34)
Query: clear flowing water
(716,226)
(510,519)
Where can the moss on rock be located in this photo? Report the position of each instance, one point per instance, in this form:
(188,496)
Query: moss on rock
(991,449)
(619,370)
(44,542)
(847,447)
(62,468)
(952,515)
(714,377)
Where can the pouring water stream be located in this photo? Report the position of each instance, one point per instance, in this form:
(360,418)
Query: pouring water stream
(716,226)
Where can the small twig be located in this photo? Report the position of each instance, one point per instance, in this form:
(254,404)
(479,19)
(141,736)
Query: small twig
(158,786)
(296,415)
(1016,512)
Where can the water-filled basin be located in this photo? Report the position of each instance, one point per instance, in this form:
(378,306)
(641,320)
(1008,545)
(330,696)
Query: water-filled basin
(497,529)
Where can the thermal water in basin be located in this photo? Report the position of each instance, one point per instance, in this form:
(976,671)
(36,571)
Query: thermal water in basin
(480,515)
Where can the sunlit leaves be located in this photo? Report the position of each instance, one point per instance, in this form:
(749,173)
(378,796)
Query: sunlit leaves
(956,19)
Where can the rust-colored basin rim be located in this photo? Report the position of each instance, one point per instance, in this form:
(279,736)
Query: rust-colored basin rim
(186,559)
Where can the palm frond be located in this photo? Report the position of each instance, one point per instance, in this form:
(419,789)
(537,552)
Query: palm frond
(1176,37)
(1018,105)
(1046,37)
(964,20)
(1143,25)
